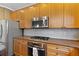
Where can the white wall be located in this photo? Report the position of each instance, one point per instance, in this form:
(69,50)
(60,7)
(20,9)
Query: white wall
(54,33)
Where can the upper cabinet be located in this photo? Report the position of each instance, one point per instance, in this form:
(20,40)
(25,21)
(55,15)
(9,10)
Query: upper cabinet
(35,9)
(26,15)
(71,15)
(56,15)
(4,14)
(64,15)
(13,16)
(29,13)
(7,14)
(61,15)
(1,14)
(44,9)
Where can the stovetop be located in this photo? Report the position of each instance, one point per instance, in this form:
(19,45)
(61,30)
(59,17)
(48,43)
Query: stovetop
(40,37)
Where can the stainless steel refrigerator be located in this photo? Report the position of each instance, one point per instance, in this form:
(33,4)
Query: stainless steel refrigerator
(8,30)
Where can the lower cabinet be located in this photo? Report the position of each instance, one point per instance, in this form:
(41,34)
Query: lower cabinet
(58,50)
(20,47)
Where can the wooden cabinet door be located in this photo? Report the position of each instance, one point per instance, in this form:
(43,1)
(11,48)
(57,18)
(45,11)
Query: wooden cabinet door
(14,16)
(74,51)
(28,15)
(23,46)
(24,50)
(51,50)
(59,50)
(21,18)
(20,47)
(71,15)
(2,13)
(27,22)
(17,47)
(7,14)
(67,51)
(63,50)
(44,9)
(36,10)
(56,15)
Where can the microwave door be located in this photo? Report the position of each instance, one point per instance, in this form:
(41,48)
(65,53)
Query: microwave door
(40,23)
(34,24)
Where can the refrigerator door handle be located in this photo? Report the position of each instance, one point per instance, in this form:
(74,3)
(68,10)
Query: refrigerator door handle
(1,31)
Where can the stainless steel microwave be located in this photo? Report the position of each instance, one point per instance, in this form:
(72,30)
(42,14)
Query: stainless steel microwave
(40,23)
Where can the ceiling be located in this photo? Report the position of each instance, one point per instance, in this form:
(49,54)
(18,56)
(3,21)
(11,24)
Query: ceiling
(15,6)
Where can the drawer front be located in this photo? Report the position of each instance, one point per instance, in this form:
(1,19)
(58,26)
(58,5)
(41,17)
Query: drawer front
(51,46)
(58,50)
(63,53)
(52,50)
(64,48)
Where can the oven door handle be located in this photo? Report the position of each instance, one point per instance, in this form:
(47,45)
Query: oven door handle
(30,47)
(38,48)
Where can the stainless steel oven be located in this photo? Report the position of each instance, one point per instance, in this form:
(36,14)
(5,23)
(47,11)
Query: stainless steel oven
(39,46)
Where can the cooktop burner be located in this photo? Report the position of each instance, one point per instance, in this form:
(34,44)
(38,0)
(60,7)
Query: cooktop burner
(40,37)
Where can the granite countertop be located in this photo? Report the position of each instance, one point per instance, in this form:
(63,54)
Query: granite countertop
(71,43)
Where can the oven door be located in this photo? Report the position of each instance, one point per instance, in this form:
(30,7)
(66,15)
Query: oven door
(41,51)
(36,49)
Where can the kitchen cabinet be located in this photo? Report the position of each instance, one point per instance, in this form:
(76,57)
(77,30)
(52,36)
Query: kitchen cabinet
(20,47)
(14,16)
(35,10)
(51,50)
(16,48)
(29,13)
(7,14)
(22,18)
(56,15)
(21,44)
(64,15)
(1,13)
(61,15)
(4,14)
(17,15)
(44,9)
(59,50)
(71,15)
(26,15)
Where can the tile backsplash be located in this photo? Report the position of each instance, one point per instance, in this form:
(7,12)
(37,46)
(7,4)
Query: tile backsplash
(54,33)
